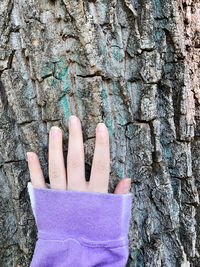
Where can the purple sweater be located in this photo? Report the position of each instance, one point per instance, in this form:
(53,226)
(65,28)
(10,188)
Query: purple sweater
(80,229)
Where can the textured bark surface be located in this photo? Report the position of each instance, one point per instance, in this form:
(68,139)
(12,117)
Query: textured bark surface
(133,64)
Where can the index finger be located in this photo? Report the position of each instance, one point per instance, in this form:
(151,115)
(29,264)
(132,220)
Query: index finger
(99,178)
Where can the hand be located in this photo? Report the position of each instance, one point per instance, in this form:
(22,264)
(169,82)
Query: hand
(74,177)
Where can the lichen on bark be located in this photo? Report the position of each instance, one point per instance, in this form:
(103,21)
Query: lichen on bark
(132,64)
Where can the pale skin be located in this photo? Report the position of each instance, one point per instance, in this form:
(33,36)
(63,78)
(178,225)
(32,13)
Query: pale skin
(73,177)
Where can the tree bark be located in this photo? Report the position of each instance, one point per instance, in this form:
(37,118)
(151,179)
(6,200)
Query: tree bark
(133,64)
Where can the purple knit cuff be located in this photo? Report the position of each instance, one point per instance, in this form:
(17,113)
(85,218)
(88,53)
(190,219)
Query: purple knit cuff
(87,216)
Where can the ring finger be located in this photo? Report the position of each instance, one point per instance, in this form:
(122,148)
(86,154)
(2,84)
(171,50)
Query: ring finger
(57,172)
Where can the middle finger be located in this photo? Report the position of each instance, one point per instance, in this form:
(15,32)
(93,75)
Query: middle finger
(75,156)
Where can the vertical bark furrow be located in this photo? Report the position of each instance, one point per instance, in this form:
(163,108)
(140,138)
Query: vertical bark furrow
(131,64)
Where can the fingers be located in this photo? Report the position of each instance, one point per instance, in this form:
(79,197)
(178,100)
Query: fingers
(57,172)
(37,178)
(123,187)
(75,156)
(99,177)
(100,171)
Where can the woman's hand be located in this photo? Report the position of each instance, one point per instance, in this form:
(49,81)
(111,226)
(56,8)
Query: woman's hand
(74,177)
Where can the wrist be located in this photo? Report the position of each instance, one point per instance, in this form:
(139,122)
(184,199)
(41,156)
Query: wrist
(61,214)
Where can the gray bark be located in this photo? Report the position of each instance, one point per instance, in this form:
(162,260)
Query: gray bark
(133,64)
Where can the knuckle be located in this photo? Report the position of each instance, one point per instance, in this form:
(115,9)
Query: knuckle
(54,173)
(101,166)
(74,163)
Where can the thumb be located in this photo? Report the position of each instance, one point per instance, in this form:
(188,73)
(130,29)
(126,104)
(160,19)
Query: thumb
(123,187)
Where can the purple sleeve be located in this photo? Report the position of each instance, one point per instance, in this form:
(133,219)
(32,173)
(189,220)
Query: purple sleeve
(80,229)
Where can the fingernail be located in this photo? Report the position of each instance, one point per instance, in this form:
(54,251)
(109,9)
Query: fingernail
(101,127)
(127,185)
(29,156)
(73,120)
(54,130)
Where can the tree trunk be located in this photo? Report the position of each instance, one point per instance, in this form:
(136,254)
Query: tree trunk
(133,64)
